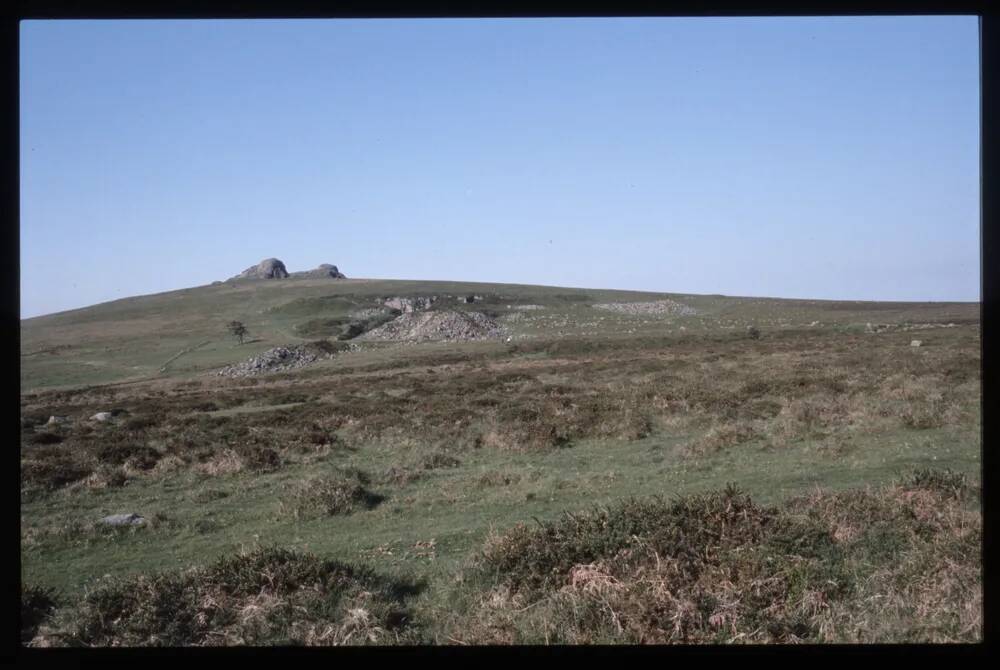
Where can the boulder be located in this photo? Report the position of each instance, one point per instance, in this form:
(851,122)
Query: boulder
(915,343)
(269,268)
(328,270)
(101,416)
(323,271)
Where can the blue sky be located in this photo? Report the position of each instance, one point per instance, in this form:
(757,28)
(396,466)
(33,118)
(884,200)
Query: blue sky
(797,157)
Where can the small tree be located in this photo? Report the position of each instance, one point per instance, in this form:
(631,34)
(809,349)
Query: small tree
(238,330)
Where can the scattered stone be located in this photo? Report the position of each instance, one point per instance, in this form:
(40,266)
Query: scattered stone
(666,306)
(56,420)
(132,519)
(416,327)
(904,327)
(279,359)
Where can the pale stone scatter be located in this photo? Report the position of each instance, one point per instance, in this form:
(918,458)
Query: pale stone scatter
(132,519)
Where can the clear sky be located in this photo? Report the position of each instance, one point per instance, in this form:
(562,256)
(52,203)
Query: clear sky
(799,157)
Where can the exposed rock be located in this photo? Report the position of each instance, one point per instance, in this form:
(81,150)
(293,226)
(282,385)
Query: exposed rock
(331,271)
(370,313)
(904,327)
(101,416)
(282,358)
(132,519)
(409,305)
(323,271)
(415,327)
(269,268)
(665,306)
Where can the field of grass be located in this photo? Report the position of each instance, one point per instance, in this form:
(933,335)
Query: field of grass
(440,492)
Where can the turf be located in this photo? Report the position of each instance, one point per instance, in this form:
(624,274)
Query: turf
(406,460)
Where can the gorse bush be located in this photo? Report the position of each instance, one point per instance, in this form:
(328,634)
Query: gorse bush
(532,558)
(266,596)
(341,492)
(44,438)
(37,605)
(898,564)
(945,482)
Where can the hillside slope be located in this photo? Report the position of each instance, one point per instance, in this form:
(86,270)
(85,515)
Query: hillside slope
(182,333)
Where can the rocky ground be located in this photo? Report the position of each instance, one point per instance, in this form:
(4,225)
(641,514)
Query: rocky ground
(903,327)
(417,326)
(671,307)
(369,313)
(408,305)
(276,360)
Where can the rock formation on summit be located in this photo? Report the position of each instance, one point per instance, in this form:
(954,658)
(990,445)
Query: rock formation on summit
(269,268)
(324,270)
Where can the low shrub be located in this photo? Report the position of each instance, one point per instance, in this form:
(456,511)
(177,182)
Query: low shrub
(267,596)
(44,438)
(897,564)
(37,605)
(439,459)
(343,492)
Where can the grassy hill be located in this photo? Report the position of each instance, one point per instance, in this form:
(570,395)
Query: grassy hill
(571,484)
(133,338)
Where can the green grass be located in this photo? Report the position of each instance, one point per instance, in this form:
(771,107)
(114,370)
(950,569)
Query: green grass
(448,505)
(132,338)
(405,460)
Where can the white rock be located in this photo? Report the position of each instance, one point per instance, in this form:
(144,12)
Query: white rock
(101,416)
(915,343)
(132,519)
